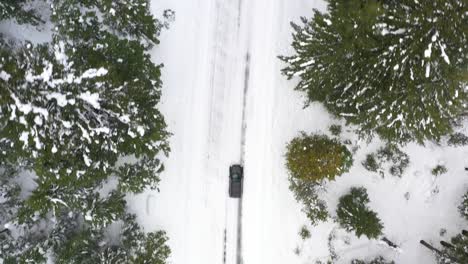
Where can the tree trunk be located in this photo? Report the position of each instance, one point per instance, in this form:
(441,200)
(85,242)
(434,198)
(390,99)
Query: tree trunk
(390,243)
(429,246)
(445,244)
(438,252)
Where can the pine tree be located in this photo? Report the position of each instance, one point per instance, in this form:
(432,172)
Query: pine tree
(134,247)
(77,112)
(354,215)
(317,157)
(398,68)
(76,107)
(143,248)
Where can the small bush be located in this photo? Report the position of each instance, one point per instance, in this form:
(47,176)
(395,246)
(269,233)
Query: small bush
(457,140)
(442,232)
(305,192)
(378,260)
(370,163)
(335,130)
(354,215)
(317,157)
(439,170)
(464,206)
(304,233)
(399,159)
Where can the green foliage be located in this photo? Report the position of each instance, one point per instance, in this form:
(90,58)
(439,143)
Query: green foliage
(354,215)
(130,18)
(456,252)
(335,130)
(457,140)
(305,192)
(464,206)
(317,157)
(392,67)
(16,9)
(135,247)
(75,107)
(304,233)
(439,170)
(74,113)
(377,260)
(391,153)
(370,163)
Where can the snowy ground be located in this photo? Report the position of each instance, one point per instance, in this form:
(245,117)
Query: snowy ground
(207,81)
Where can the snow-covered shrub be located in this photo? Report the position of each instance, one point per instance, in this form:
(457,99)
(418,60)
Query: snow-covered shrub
(354,215)
(304,233)
(305,192)
(335,130)
(316,157)
(464,206)
(370,163)
(377,64)
(377,260)
(439,170)
(457,140)
(398,159)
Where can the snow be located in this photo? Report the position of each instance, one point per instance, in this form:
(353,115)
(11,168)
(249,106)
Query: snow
(60,98)
(444,55)
(141,130)
(428,51)
(91,98)
(428,69)
(87,160)
(92,73)
(131,134)
(24,138)
(205,60)
(4,76)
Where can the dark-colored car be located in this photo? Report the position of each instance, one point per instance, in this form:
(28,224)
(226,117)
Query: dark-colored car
(236,179)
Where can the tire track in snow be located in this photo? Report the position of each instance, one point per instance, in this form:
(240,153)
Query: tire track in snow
(242,151)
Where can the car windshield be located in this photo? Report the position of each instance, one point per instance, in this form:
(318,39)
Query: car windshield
(235,176)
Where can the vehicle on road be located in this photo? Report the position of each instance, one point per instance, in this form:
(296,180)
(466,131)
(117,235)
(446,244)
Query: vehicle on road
(236,180)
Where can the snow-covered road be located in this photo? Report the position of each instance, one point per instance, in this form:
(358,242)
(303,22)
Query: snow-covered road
(208,90)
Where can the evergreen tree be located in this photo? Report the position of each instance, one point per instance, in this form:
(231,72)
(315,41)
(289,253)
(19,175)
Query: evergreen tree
(317,157)
(76,112)
(354,215)
(76,107)
(398,68)
(135,247)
